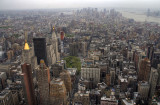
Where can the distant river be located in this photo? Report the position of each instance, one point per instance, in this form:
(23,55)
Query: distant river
(140,17)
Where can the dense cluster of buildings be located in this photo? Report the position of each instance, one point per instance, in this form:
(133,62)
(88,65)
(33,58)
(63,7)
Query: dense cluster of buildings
(120,59)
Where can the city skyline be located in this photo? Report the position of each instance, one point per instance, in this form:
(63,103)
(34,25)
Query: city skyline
(79,56)
(50,4)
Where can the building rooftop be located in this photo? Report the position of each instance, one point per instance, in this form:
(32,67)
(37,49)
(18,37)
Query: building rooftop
(72,71)
(56,81)
(128,102)
(104,98)
(82,94)
(143,83)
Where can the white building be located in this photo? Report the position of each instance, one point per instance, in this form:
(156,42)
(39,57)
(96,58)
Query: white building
(91,74)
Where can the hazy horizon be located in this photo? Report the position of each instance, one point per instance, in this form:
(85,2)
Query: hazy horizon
(50,4)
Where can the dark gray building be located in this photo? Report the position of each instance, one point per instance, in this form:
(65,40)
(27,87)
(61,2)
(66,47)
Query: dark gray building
(40,49)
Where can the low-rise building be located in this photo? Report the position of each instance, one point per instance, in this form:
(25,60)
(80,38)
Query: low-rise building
(6,97)
(65,76)
(81,98)
(108,101)
(127,102)
(57,92)
(91,74)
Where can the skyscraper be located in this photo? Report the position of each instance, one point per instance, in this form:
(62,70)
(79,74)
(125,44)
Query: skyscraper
(144,70)
(51,56)
(62,46)
(84,49)
(55,44)
(43,79)
(112,74)
(150,51)
(108,79)
(156,59)
(57,69)
(40,49)
(158,69)
(143,89)
(25,53)
(28,86)
(73,49)
(153,82)
(28,55)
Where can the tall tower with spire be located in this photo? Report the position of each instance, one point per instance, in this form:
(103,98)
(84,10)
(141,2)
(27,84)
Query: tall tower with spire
(28,55)
(55,43)
(30,62)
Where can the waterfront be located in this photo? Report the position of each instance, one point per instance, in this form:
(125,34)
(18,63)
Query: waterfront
(140,17)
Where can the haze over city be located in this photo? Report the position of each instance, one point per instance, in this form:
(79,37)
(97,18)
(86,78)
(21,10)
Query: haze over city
(49,4)
(79,52)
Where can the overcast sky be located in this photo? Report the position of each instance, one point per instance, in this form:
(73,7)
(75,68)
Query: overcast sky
(47,4)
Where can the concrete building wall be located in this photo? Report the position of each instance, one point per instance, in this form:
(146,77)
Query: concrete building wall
(57,93)
(143,89)
(92,74)
(43,79)
(153,82)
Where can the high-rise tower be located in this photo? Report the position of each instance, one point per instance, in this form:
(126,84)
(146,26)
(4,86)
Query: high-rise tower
(55,43)
(43,79)
(28,86)
(28,55)
(158,69)
(40,49)
(144,70)
(153,82)
(62,46)
(150,51)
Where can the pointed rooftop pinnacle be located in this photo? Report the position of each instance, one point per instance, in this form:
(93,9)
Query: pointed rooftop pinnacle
(26,46)
(52,29)
(42,64)
(41,61)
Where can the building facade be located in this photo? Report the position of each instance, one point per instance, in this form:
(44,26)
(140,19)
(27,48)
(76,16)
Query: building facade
(65,76)
(143,89)
(91,74)
(28,55)
(27,82)
(108,101)
(153,82)
(57,69)
(57,93)
(43,80)
(81,99)
(40,49)
(144,70)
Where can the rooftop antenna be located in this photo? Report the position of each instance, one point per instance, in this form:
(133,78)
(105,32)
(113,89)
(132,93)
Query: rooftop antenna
(26,35)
